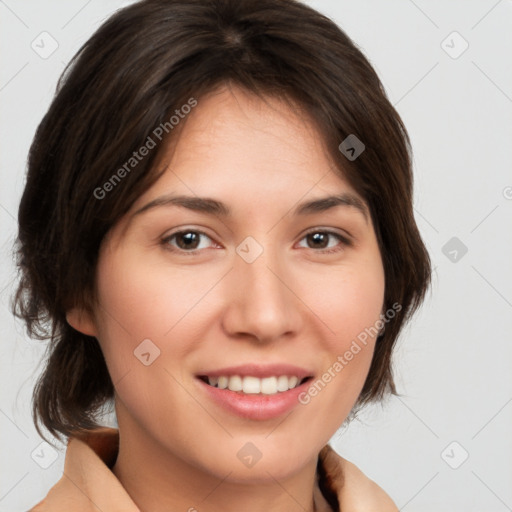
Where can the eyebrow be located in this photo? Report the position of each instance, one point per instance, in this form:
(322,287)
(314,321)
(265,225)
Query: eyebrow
(215,207)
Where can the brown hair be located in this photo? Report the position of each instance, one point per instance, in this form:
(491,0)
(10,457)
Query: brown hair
(143,63)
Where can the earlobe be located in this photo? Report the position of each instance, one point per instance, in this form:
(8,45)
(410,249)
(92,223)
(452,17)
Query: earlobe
(81,320)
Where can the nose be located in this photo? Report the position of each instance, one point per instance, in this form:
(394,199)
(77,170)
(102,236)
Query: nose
(261,304)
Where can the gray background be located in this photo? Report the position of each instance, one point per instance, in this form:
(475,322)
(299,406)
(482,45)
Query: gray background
(453,361)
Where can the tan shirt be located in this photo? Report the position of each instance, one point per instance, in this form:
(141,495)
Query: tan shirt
(89,485)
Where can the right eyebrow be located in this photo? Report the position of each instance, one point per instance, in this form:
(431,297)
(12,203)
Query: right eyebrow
(198,204)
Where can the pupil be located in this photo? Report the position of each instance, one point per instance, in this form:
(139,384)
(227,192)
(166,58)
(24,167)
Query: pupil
(188,240)
(319,239)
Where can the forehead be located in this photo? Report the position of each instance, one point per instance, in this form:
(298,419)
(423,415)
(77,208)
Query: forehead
(237,144)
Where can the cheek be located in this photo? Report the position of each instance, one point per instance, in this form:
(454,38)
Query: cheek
(139,313)
(126,316)
(145,300)
(150,301)
(348,301)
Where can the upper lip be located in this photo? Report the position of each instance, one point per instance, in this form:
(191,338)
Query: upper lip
(259,370)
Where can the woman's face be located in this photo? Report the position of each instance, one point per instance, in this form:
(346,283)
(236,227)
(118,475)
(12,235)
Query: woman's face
(222,273)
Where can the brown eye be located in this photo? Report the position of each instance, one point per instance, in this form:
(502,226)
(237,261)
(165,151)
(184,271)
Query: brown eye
(325,241)
(187,241)
(318,240)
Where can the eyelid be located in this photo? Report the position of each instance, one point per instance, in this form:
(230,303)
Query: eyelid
(345,239)
(194,252)
(345,236)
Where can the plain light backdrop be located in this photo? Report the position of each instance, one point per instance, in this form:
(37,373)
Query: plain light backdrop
(446,443)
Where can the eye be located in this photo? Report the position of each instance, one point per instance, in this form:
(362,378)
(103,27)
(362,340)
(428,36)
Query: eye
(192,241)
(188,240)
(325,241)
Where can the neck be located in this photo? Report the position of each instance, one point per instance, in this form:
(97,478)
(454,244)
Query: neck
(158,480)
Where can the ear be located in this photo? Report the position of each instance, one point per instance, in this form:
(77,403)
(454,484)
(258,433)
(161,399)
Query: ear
(82,321)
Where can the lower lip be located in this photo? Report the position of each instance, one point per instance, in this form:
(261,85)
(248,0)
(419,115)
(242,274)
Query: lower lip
(255,406)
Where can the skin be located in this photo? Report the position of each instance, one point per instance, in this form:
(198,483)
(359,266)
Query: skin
(294,304)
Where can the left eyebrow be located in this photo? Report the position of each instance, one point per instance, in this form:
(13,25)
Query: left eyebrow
(326,203)
(215,207)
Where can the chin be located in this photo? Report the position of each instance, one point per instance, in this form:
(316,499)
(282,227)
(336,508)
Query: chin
(259,460)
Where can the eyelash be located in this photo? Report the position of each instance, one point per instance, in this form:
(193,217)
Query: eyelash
(344,241)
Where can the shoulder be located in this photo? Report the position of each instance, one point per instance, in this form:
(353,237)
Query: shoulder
(364,493)
(356,492)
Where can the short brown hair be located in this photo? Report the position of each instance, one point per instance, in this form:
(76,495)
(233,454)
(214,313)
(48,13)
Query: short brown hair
(144,62)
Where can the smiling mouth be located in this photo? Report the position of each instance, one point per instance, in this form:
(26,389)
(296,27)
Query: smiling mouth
(251,385)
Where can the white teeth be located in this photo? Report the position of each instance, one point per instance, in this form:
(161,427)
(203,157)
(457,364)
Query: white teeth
(282,383)
(235,383)
(269,385)
(253,385)
(223,382)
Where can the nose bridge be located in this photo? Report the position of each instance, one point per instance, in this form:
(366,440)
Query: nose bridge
(262,304)
(263,280)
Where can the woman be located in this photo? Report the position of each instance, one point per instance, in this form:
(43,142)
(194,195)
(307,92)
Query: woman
(217,236)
